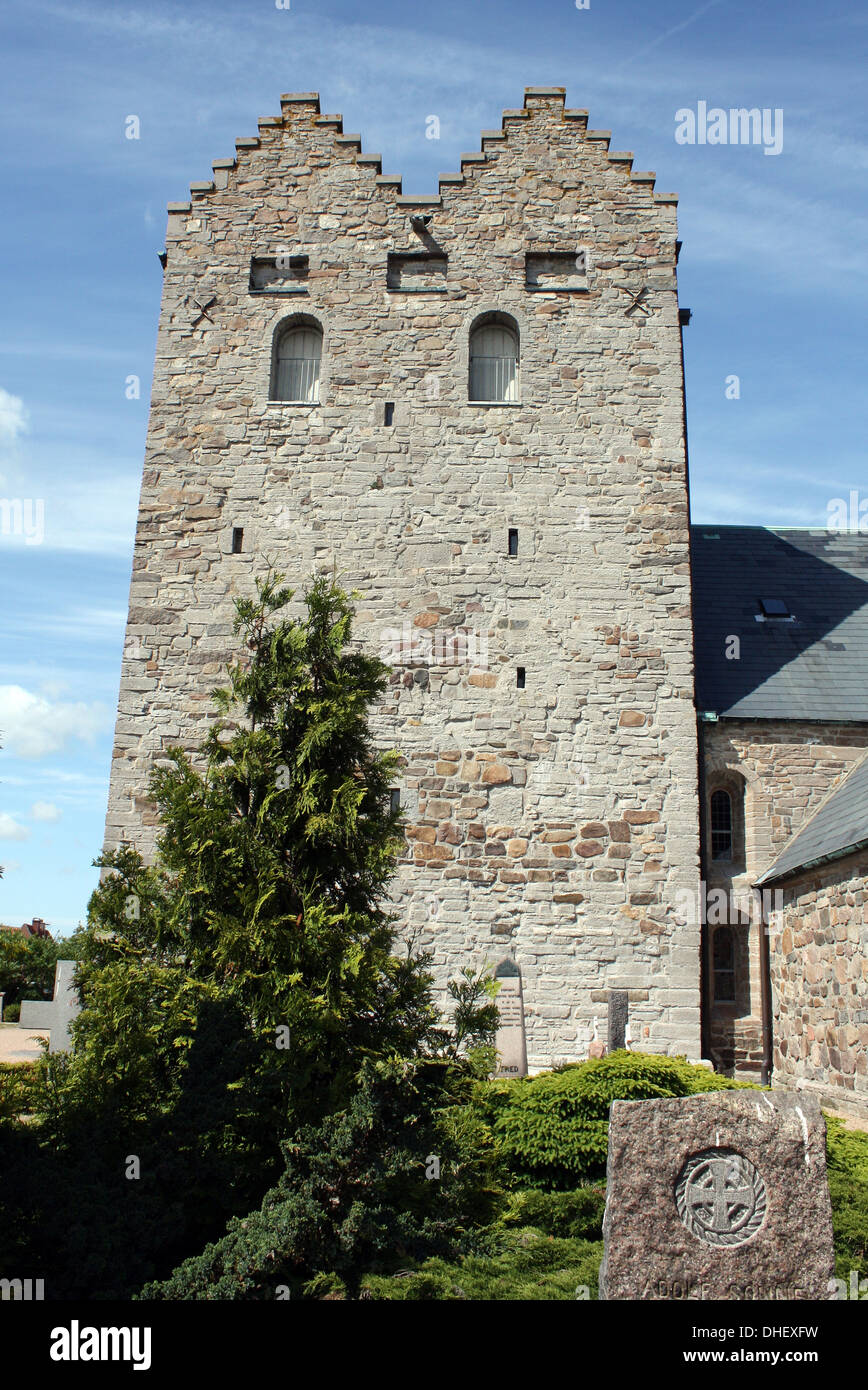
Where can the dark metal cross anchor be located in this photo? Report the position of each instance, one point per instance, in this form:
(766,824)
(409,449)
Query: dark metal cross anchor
(637,303)
(203,308)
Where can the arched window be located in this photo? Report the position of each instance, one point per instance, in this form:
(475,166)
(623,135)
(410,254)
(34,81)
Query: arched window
(724,966)
(721,824)
(494,360)
(295,374)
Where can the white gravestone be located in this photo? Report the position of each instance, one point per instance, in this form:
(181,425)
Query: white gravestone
(57,1013)
(510,1042)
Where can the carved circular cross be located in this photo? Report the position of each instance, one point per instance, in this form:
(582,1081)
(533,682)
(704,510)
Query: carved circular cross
(721,1197)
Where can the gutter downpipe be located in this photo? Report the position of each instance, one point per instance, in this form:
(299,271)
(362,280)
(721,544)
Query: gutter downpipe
(684,317)
(766,996)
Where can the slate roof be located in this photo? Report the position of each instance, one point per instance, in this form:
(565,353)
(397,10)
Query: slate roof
(812,667)
(839,827)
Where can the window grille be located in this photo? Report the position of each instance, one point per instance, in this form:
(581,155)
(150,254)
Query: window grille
(298,362)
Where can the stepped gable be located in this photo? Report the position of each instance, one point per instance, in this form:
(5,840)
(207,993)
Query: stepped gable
(300,113)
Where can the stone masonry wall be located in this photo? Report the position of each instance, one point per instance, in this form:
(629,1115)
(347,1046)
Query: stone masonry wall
(788,768)
(556,823)
(819,972)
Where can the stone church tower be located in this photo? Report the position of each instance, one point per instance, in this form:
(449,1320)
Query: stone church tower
(471,406)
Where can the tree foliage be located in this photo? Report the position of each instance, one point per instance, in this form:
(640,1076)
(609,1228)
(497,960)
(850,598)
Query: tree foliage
(27,964)
(235,990)
(401,1174)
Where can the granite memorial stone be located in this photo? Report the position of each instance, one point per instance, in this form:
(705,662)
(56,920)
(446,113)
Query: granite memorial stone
(720,1196)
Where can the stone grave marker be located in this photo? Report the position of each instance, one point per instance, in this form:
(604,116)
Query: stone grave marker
(510,1041)
(719,1196)
(618,1008)
(57,1013)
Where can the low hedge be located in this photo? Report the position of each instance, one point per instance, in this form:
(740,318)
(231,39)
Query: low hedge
(553,1129)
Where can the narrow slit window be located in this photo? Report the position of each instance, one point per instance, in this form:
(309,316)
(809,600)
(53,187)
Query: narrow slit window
(237,539)
(389,413)
(519,678)
(394,801)
(721,825)
(724,966)
(512,541)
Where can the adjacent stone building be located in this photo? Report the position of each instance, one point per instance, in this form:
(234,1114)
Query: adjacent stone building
(819,951)
(781,621)
(470,406)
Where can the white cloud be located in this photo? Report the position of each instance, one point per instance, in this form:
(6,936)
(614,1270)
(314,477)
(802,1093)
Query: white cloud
(45,810)
(10,829)
(32,726)
(52,689)
(13,417)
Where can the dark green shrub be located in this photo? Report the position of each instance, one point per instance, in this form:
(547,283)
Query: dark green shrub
(358,1194)
(17,1081)
(574,1215)
(528,1267)
(847,1160)
(11,1013)
(553,1128)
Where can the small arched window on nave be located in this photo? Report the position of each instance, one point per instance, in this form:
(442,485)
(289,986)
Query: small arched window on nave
(494,360)
(296,367)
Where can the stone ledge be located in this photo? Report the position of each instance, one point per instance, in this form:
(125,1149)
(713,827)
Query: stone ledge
(559,93)
(621,156)
(300,99)
(248,142)
(421,200)
(269,121)
(598,134)
(288,289)
(224,164)
(474,158)
(493,135)
(646,176)
(452,178)
(575,113)
(178,207)
(389,181)
(349,140)
(335,119)
(666,197)
(204,186)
